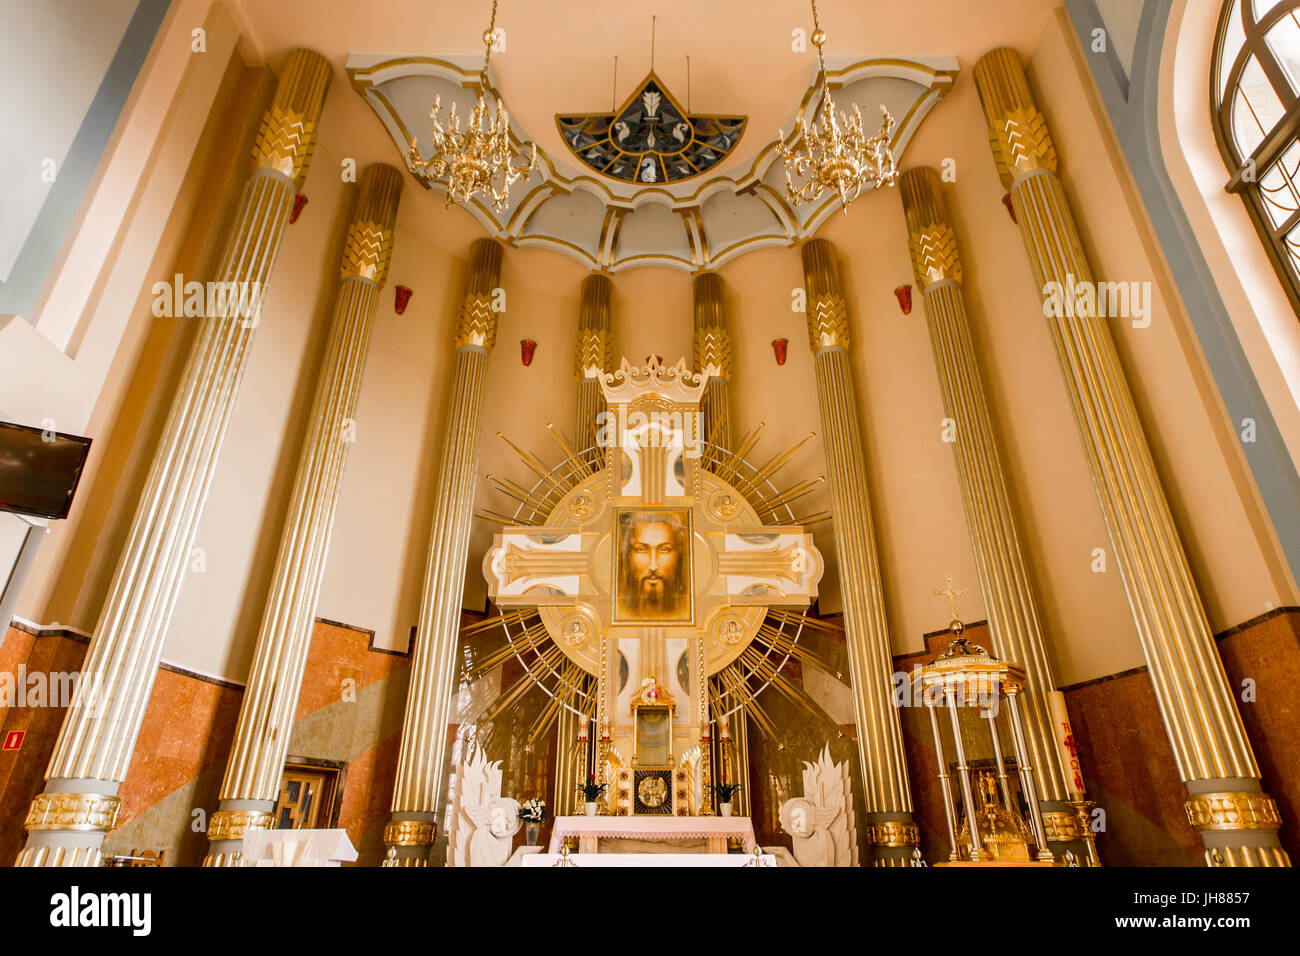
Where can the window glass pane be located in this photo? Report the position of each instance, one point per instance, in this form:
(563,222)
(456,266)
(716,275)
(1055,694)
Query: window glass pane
(1262,7)
(1278,187)
(1284,42)
(1255,108)
(1233,37)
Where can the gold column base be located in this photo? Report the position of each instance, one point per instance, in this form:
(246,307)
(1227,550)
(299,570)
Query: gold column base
(73,811)
(231,825)
(405,834)
(1239,828)
(1233,810)
(894,843)
(893,833)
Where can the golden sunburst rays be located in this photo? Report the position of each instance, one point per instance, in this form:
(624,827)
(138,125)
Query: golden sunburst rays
(544,666)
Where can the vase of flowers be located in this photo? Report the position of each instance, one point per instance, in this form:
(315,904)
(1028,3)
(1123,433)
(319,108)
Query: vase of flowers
(591,791)
(724,792)
(532,812)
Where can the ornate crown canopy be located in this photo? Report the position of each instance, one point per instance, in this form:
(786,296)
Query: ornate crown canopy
(677,383)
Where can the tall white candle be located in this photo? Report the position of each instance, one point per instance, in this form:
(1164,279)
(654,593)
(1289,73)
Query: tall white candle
(1065,741)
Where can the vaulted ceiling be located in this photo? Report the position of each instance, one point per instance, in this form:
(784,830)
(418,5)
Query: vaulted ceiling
(747,59)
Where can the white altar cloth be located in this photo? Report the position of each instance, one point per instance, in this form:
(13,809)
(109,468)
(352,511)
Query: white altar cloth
(650,859)
(589,830)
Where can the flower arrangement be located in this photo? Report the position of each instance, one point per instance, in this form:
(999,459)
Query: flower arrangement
(533,810)
(724,791)
(591,790)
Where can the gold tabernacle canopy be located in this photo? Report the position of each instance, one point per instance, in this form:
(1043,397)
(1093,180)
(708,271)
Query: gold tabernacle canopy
(992,831)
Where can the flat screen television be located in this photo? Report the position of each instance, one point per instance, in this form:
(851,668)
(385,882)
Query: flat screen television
(39,470)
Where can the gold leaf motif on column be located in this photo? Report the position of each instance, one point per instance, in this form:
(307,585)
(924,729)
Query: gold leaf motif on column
(284,143)
(1021,143)
(366,251)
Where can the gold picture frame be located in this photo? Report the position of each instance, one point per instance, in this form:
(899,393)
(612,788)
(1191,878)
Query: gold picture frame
(653,567)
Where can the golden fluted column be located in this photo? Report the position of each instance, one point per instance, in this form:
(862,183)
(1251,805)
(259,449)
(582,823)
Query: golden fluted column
(594,347)
(67,823)
(713,347)
(252,782)
(417,791)
(994,534)
(1237,821)
(888,795)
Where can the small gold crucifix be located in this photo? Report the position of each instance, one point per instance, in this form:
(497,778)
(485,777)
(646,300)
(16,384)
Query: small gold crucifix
(951,592)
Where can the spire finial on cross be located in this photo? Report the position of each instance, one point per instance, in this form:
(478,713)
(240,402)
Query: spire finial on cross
(951,592)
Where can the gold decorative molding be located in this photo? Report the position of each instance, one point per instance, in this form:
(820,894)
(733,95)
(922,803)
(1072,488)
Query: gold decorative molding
(286,138)
(594,349)
(893,833)
(591,352)
(1230,810)
(934,255)
(712,339)
(476,321)
(828,313)
(409,833)
(1018,133)
(476,324)
(285,143)
(1062,826)
(713,347)
(233,824)
(366,252)
(930,236)
(73,811)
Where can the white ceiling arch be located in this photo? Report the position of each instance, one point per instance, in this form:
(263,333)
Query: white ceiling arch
(611,225)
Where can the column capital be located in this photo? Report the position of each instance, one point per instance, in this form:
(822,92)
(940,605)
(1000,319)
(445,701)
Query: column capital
(930,236)
(828,312)
(368,248)
(287,136)
(593,345)
(1018,133)
(712,339)
(476,322)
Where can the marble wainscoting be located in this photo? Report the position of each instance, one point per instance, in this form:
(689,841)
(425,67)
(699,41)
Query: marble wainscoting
(26,651)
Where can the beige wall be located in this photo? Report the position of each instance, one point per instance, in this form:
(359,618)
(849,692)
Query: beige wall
(377,558)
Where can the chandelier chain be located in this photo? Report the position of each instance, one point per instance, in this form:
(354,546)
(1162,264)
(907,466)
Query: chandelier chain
(831,151)
(478,159)
(489,39)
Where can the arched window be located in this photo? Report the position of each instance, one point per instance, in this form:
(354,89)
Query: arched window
(1256,94)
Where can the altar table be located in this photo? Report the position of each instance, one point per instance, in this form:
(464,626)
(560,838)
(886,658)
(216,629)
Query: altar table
(652,859)
(714,830)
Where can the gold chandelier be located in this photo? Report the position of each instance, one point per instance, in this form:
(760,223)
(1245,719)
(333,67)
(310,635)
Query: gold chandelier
(833,152)
(477,160)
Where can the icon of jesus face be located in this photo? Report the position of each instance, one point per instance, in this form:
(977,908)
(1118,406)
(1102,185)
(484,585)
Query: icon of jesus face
(653,567)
